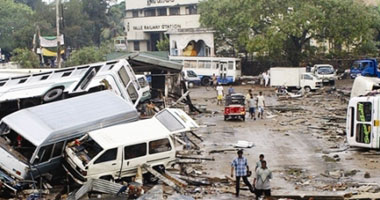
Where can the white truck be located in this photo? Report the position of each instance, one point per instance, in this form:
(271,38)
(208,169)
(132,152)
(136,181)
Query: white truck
(325,72)
(294,78)
(34,89)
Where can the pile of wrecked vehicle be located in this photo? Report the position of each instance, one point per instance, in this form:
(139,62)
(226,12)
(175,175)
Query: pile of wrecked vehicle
(87,128)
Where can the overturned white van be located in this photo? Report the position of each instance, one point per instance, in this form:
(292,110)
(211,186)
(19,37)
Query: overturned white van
(32,139)
(115,152)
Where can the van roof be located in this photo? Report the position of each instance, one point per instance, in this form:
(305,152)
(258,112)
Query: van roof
(131,133)
(58,120)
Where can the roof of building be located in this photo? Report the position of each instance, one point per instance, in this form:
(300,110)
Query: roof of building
(147,61)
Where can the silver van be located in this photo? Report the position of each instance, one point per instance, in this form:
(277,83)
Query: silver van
(32,139)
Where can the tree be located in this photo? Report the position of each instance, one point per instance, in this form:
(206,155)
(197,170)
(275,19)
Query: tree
(15,21)
(25,58)
(115,22)
(163,45)
(90,54)
(96,12)
(284,28)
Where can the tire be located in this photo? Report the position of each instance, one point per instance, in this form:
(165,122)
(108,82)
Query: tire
(53,94)
(206,81)
(307,89)
(243,118)
(225,118)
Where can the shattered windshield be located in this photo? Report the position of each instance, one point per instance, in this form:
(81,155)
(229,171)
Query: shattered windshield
(87,150)
(169,121)
(19,146)
(325,70)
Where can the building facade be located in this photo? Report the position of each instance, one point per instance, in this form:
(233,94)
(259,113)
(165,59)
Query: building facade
(147,20)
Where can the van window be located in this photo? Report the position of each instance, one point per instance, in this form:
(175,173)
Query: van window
(109,155)
(158,146)
(230,65)
(191,73)
(45,153)
(10,139)
(124,76)
(142,82)
(169,121)
(134,151)
(131,90)
(58,149)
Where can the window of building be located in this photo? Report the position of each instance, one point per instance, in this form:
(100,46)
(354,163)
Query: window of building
(150,12)
(135,13)
(109,155)
(159,146)
(136,45)
(191,10)
(134,151)
(162,12)
(174,11)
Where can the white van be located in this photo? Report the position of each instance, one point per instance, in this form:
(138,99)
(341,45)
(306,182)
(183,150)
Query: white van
(32,140)
(144,87)
(191,77)
(115,152)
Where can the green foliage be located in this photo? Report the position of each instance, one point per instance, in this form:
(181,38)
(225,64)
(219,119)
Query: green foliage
(163,45)
(26,58)
(15,23)
(90,54)
(115,22)
(284,28)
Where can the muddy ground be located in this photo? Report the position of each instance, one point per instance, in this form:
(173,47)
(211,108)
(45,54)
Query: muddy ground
(306,149)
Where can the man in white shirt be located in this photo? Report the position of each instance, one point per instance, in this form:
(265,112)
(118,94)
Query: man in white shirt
(260,105)
(220,94)
(262,180)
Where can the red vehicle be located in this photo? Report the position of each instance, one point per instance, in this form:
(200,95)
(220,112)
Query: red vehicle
(235,107)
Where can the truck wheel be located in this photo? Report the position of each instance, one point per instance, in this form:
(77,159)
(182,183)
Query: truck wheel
(307,89)
(225,118)
(243,118)
(206,81)
(53,94)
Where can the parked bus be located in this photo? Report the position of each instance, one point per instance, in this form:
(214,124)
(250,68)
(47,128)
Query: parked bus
(227,70)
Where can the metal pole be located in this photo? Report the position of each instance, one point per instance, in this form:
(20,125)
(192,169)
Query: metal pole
(58,2)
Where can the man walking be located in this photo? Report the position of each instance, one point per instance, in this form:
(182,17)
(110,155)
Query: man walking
(240,166)
(258,163)
(262,180)
(252,105)
(220,94)
(231,90)
(260,105)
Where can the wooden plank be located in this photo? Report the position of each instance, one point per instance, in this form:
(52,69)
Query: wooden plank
(197,136)
(167,181)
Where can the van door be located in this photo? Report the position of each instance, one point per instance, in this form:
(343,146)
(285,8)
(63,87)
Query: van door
(307,81)
(134,155)
(362,130)
(223,72)
(106,165)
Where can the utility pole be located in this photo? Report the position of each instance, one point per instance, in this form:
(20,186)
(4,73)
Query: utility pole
(58,2)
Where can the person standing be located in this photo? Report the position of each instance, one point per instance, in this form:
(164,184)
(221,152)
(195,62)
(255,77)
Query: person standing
(258,163)
(241,168)
(266,79)
(214,80)
(220,94)
(262,180)
(252,105)
(231,90)
(260,105)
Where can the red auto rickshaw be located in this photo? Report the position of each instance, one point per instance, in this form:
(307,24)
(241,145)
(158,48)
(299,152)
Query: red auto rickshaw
(235,107)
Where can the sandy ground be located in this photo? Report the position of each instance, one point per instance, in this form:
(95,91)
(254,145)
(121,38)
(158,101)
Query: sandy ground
(301,158)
